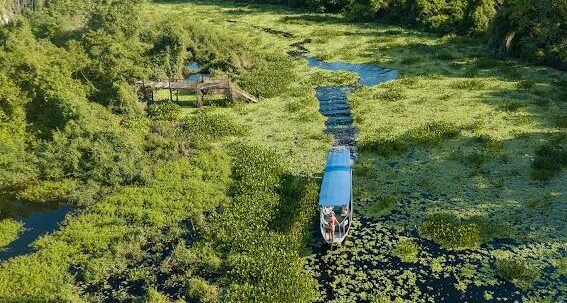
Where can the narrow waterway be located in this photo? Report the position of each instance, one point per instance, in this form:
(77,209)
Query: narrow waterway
(333,100)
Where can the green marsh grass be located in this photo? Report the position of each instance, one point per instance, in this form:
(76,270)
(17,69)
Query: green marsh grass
(453,232)
(517,271)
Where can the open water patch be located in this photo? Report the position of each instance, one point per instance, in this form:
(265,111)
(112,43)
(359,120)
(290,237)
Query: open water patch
(38,221)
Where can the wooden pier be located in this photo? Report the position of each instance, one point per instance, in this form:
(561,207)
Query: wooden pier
(206,86)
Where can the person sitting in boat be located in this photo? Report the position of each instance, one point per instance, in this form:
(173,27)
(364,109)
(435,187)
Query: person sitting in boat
(331,226)
(345,212)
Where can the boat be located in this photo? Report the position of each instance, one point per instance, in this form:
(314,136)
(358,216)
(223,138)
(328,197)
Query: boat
(335,197)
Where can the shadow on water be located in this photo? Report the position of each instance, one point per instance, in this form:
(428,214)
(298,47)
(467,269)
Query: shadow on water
(38,220)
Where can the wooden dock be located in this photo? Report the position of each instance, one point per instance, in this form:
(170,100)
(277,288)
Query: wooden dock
(206,86)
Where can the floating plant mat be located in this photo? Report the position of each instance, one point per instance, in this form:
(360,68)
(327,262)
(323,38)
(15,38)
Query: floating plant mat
(369,268)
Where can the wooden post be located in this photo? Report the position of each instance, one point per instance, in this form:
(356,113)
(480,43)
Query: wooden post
(144,95)
(231,96)
(199,102)
(170,93)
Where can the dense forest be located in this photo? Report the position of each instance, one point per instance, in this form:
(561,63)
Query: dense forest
(461,174)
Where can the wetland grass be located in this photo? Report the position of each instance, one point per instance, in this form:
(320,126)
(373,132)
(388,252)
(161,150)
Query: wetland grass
(517,271)
(452,232)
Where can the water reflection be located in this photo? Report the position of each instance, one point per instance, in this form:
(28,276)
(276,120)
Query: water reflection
(196,72)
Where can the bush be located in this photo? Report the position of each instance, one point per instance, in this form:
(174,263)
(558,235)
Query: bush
(469,84)
(201,291)
(532,29)
(167,111)
(384,146)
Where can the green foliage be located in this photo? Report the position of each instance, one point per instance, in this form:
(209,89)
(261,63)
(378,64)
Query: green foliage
(10,229)
(201,291)
(271,78)
(49,191)
(432,133)
(167,111)
(16,165)
(517,271)
(206,126)
(382,207)
(469,84)
(533,29)
(452,232)
(549,161)
(406,250)
(103,152)
(384,146)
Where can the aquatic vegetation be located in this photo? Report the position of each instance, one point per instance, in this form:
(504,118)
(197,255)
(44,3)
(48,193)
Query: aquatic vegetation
(384,146)
(406,250)
(382,207)
(9,231)
(472,84)
(549,161)
(517,271)
(453,232)
(204,126)
(432,133)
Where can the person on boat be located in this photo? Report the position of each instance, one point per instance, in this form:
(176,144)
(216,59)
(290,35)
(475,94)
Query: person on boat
(331,226)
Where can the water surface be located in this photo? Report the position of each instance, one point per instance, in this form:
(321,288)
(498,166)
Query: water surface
(38,221)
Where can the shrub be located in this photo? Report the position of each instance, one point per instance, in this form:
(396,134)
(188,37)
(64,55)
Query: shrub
(517,272)
(532,29)
(271,78)
(49,191)
(452,232)
(167,111)
(97,150)
(392,94)
(412,60)
(525,85)
(488,142)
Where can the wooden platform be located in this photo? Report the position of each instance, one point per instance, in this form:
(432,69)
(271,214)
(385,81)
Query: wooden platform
(206,86)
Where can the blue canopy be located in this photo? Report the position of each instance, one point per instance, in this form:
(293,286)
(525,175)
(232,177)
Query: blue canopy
(337,181)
